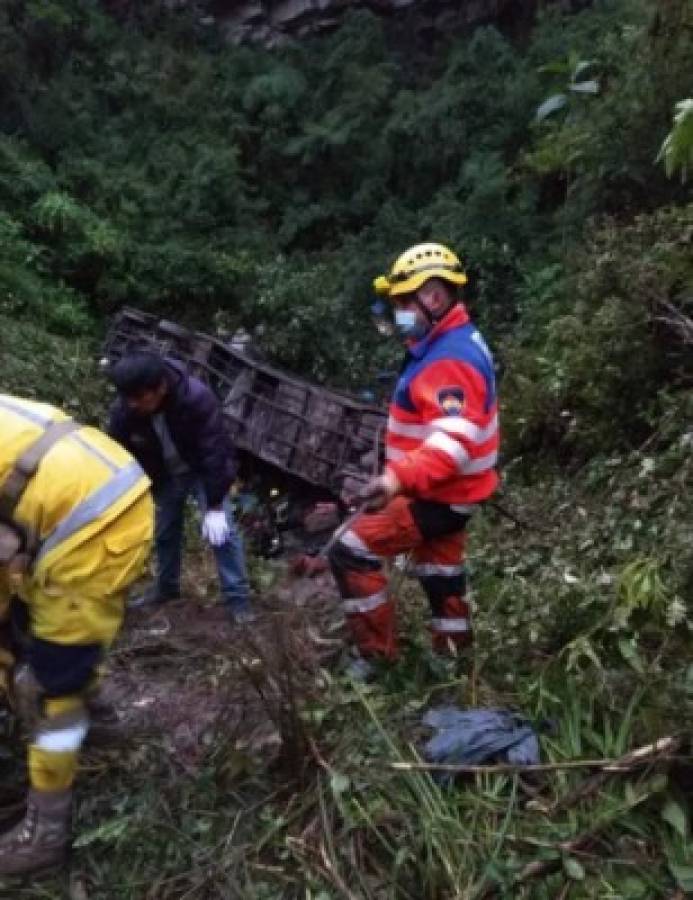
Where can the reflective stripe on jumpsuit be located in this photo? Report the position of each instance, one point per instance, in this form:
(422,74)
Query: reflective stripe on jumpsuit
(357,563)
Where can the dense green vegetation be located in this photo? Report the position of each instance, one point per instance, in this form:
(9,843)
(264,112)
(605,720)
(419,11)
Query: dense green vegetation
(143,162)
(148,164)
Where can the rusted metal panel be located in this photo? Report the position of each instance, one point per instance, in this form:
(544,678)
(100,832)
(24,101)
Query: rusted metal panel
(309,432)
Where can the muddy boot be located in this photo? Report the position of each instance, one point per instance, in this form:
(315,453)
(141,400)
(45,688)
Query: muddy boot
(40,839)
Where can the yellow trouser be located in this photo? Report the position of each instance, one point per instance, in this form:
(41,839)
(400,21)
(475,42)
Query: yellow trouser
(52,756)
(82,602)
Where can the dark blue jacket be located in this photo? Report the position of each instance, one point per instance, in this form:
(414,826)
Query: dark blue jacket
(196,424)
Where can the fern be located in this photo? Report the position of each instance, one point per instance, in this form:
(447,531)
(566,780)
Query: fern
(676,151)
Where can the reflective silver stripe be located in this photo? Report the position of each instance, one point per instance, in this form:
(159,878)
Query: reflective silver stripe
(457,425)
(30,414)
(427,569)
(466,428)
(95,505)
(62,739)
(364,604)
(467,509)
(406,429)
(450,446)
(351,540)
(482,345)
(94,451)
(456,451)
(38,419)
(450,626)
(482,463)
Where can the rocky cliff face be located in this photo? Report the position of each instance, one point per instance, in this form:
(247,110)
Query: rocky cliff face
(272,22)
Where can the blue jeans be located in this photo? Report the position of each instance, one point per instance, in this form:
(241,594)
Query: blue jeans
(170,497)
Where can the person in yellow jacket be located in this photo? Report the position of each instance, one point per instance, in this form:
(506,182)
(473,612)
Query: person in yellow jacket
(76,522)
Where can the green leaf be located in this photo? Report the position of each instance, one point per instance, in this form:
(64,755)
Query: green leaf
(675,815)
(573,868)
(658,783)
(628,650)
(339,783)
(585,87)
(634,887)
(582,67)
(554,68)
(630,794)
(688,681)
(683,876)
(108,832)
(677,149)
(550,106)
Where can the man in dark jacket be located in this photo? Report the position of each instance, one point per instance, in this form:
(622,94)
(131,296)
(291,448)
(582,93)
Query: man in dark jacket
(173,425)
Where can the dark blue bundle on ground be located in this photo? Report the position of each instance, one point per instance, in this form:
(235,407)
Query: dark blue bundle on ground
(476,736)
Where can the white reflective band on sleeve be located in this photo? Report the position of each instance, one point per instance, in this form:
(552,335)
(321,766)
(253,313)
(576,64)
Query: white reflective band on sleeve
(481,464)
(364,604)
(458,425)
(450,626)
(39,419)
(450,446)
(453,448)
(466,509)
(406,429)
(351,540)
(95,505)
(62,739)
(481,344)
(28,414)
(428,569)
(93,451)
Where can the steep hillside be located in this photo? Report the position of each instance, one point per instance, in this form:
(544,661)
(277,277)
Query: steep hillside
(144,160)
(246,765)
(40,364)
(275,22)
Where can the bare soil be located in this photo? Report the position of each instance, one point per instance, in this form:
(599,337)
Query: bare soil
(181,671)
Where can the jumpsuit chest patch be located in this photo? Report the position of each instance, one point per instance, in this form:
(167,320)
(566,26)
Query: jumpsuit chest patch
(451,400)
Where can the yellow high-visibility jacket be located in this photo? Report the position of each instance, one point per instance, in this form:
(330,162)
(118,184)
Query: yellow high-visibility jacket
(90,506)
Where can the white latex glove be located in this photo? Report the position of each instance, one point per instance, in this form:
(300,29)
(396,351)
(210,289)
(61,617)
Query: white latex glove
(215,528)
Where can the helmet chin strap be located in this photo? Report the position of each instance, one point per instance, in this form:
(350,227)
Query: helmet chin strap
(428,315)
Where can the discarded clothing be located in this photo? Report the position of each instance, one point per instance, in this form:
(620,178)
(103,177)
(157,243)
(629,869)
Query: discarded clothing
(476,736)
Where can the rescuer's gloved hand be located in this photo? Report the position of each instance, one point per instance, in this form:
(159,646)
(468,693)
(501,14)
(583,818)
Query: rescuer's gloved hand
(379,491)
(215,528)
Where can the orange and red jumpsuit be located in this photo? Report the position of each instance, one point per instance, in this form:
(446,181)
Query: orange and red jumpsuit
(442,444)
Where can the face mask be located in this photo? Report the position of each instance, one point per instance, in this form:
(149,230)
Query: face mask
(408,325)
